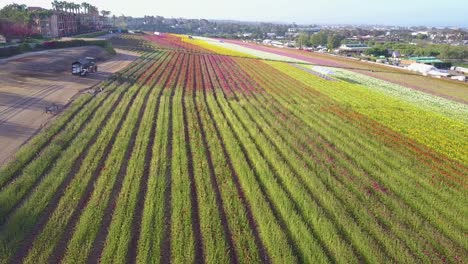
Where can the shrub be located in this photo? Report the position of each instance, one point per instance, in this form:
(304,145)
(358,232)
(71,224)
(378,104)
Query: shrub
(25,47)
(9,51)
(92,34)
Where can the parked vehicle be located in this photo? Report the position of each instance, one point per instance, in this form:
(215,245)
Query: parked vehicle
(84,66)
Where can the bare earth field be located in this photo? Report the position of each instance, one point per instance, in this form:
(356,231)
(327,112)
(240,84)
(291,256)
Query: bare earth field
(33,81)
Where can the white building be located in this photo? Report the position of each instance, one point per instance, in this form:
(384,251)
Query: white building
(353,48)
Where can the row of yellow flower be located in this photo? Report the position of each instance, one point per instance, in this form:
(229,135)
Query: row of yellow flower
(218,49)
(445,135)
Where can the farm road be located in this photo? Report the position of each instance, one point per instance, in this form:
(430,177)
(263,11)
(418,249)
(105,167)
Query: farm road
(33,81)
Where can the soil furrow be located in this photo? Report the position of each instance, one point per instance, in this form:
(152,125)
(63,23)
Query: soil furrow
(60,249)
(199,255)
(252,222)
(52,205)
(276,213)
(280,181)
(166,240)
(31,189)
(99,241)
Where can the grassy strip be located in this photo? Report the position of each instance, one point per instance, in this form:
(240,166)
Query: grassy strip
(277,239)
(241,232)
(153,232)
(215,239)
(87,227)
(118,237)
(92,34)
(278,180)
(152,225)
(183,239)
(119,234)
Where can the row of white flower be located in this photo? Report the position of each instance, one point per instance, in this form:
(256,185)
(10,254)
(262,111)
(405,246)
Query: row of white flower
(447,107)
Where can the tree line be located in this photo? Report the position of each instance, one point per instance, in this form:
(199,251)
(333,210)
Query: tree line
(441,51)
(330,39)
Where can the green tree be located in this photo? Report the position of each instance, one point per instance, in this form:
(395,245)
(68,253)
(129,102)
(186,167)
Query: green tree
(304,40)
(377,51)
(15,13)
(319,38)
(334,41)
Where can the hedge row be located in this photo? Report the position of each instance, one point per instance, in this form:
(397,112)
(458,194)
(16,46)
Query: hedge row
(10,51)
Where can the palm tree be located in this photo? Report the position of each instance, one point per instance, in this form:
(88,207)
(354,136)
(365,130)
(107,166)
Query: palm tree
(55,4)
(62,5)
(85,7)
(93,9)
(67,6)
(76,8)
(105,13)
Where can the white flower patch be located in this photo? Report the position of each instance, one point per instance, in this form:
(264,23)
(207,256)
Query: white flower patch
(449,108)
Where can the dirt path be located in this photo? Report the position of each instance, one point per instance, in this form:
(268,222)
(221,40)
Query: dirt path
(31,82)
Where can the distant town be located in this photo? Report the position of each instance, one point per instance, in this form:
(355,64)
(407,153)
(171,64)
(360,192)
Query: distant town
(442,48)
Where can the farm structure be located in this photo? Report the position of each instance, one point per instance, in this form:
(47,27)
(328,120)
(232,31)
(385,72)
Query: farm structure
(198,154)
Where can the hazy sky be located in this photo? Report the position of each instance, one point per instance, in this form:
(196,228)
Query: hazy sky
(390,12)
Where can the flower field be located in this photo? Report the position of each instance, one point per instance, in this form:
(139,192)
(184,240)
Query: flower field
(197,153)
(450,89)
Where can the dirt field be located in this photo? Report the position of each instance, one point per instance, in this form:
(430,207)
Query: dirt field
(31,82)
